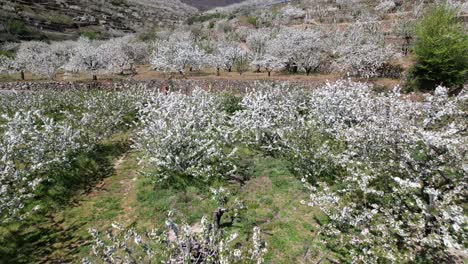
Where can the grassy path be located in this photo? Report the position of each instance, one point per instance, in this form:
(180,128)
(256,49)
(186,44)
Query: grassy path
(273,199)
(111,200)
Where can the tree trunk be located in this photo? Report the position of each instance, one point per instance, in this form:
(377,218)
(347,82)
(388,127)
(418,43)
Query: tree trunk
(217,71)
(94,77)
(258,69)
(308,69)
(230,69)
(22,75)
(294,68)
(407,45)
(217,215)
(191,69)
(269,73)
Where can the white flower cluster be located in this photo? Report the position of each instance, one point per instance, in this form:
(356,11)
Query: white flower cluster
(30,143)
(100,57)
(42,130)
(176,53)
(268,115)
(84,55)
(386,6)
(358,49)
(389,173)
(185,135)
(361,50)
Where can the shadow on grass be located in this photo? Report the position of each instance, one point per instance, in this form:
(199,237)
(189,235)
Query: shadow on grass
(39,238)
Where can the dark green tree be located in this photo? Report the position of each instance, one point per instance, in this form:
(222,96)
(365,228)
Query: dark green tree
(441,50)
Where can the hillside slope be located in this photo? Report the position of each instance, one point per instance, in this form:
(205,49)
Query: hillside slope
(208,4)
(66,19)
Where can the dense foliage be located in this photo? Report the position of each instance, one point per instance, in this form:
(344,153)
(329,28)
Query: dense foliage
(186,136)
(376,165)
(441,50)
(41,131)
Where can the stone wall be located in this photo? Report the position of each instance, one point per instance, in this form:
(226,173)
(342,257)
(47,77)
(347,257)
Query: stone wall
(174,85)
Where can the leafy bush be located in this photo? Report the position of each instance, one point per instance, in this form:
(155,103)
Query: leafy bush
(441,50)
(231,103)
(252,20)
(90,35)
(204,18)
(17,27)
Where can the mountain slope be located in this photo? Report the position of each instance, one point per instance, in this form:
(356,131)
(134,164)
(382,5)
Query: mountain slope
(208,4)
(65,19)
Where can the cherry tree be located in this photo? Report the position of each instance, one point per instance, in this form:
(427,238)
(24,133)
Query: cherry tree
(39,58)
(361,50)
(10,65)
(123,53)
(176,54)
(290,12)
(269,62)
(299,48)
(241,64)
(36,57)
(232,52)
(404,27)
(218,60)
(63,50)
(30,144)
(88,56)
(389,174)
(33,144)
(224,55)
(401,174)
(386,6)
(184,135)
(257,43)
(257,40)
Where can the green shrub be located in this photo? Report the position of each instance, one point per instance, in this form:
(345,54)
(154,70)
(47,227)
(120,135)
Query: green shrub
(7,53)
(16,27)
(211,25)
(90,35)
(231,102)
(118,2)
(204,18)
(441,50)
(252,20)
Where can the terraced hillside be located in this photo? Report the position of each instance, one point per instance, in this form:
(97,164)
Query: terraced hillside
(66,19)
(208,4)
